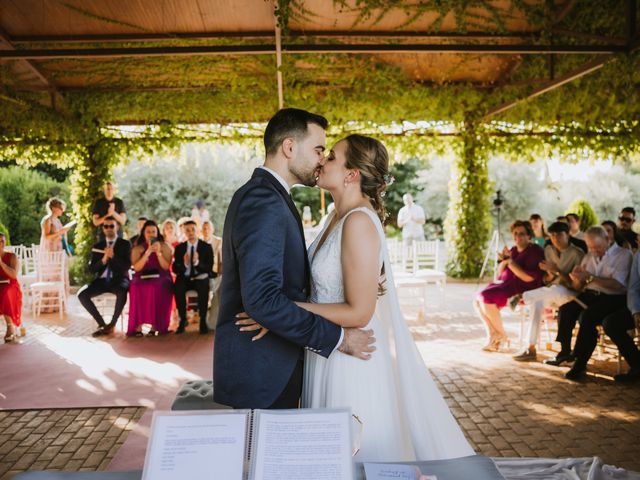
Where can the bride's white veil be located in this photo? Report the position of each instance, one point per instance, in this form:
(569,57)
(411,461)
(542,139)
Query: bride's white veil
(436,434)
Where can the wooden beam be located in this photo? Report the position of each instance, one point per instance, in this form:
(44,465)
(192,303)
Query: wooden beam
(47,54)
(581,71)
(266,34)
(6,42)
(279,66)
(589,36)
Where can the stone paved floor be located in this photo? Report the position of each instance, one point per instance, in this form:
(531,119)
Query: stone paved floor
(74,439)
(505,408)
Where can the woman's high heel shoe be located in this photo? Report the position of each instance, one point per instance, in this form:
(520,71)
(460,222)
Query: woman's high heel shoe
(10,336)
(492,346)
(500,342)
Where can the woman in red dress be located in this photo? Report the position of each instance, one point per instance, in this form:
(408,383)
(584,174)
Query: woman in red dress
(10,293)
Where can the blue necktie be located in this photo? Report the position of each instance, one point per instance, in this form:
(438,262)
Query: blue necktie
(109,272)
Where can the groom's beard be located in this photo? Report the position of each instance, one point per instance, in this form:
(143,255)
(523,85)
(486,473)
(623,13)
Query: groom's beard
(308,178)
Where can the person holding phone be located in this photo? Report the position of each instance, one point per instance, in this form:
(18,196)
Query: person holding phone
(151,289)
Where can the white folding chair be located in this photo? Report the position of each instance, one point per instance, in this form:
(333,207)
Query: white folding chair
(425,263)
(28,275)
(50,289)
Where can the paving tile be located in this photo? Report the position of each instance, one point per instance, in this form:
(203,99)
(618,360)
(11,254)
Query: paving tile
(504,407)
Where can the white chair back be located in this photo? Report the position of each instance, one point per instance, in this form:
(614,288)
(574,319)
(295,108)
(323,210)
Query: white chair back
(51,266)
(426,255)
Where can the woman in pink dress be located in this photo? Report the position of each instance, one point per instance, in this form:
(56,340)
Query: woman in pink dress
(10,293)
(518,271)
(52,233)
(151,289)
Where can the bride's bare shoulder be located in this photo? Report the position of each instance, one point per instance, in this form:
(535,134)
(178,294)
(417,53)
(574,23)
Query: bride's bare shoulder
(360,226)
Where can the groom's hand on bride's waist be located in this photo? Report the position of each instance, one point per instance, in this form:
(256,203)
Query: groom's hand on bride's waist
(248,324)
(358,343)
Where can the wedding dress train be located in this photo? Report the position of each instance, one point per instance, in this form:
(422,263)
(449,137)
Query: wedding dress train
(403,413)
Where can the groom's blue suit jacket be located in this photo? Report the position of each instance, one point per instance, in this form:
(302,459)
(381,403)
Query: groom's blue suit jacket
(265,270)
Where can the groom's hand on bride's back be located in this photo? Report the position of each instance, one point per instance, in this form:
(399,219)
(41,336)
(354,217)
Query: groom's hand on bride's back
(358,343)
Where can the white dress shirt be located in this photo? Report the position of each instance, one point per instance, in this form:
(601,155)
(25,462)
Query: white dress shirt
(615,263)
(408,216)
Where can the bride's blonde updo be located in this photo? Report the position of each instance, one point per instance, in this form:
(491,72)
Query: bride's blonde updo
(369,156)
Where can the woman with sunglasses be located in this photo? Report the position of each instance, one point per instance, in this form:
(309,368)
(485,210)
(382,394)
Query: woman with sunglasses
(518,271)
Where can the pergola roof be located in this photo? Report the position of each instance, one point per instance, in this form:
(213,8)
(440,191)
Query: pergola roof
(61,46)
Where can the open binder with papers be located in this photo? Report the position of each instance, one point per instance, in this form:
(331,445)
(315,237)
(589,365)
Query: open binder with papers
(250,444)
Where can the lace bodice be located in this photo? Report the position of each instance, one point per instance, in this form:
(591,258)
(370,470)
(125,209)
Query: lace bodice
(327,285)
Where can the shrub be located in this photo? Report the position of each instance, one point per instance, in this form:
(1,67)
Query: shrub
(583,209)
(4,230)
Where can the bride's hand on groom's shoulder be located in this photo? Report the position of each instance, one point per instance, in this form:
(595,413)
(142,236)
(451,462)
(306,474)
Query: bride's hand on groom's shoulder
(248,324)
(358,343)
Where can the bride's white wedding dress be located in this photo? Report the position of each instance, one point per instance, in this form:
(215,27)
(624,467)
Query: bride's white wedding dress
(404,415)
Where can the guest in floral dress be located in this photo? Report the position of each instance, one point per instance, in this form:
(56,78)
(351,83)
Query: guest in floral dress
(52,234)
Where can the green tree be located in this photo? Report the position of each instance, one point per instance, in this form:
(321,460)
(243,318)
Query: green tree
(4,230)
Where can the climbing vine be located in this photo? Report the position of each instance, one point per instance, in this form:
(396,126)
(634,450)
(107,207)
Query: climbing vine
(212,99)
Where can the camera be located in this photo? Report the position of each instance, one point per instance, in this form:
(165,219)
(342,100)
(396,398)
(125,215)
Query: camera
(498,201)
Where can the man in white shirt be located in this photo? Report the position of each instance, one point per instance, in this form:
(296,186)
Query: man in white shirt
(602,276)
(192,264)
(411,219)
(617,325)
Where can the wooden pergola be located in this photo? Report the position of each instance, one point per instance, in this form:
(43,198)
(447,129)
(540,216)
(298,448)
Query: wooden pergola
(92,66)
(50,47)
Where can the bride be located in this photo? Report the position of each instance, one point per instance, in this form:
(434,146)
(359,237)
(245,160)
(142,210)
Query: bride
(404,415)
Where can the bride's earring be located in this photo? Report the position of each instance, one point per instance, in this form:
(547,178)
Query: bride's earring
(345,183)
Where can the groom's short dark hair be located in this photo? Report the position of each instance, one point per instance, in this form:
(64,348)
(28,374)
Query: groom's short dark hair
(289,122)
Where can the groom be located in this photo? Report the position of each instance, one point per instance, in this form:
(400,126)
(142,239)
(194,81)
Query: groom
(266,270)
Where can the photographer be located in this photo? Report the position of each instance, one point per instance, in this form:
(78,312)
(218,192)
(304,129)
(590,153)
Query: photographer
(151,290)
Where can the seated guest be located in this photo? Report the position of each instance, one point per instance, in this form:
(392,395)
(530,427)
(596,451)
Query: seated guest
(614,234)
(617,325)
(10,293)
(574,226)
(216,279)
(602,278)
(169,232)
(539,235)
(518,272)
(559,260)
(110,262)
(151,289)
(182,236)
(574,240)
(216,244)
(192,265)
(140,223)
(626,220)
